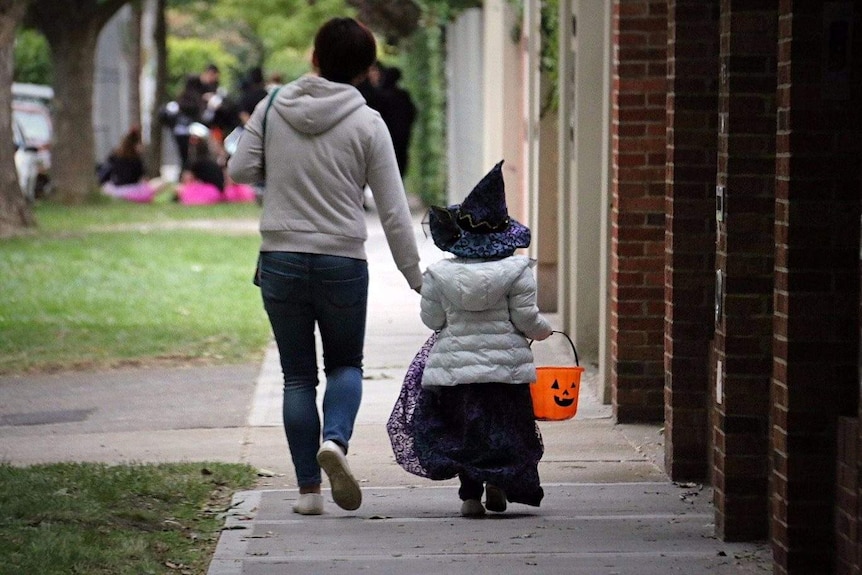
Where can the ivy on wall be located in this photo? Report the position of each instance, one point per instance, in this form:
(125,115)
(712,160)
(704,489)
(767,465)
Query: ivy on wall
(550,57)
(421,56)
(424,77)
(549,28)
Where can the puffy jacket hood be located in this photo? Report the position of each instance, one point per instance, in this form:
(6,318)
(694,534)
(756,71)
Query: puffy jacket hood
(478,285)
(313,105)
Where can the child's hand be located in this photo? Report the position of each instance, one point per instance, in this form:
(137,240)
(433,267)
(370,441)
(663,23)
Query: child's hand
(543,337)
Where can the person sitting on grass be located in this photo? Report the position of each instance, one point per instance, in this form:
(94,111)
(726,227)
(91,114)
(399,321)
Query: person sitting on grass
(205,180)
(121,175)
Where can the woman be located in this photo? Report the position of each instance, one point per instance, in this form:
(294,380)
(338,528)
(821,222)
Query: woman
(322,146)
(122,173)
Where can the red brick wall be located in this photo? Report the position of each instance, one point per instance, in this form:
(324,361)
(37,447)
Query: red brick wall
(692,142)
(744,255)
(637,214)
(816,343)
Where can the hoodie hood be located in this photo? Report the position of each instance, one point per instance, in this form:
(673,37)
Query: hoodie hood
(313,105)
(477,285)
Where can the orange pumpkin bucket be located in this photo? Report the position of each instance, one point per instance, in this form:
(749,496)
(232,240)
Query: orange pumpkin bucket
(556,389)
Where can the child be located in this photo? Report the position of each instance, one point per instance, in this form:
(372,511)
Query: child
(474,415)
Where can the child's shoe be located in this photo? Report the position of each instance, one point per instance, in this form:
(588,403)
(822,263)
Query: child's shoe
(345,488)
(309,504)
(472,508)
(495,498)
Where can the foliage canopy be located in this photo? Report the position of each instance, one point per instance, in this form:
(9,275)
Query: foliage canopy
(33,58)
(273,34)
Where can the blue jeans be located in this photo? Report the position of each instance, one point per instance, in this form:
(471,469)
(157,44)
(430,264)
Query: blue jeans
(300,291)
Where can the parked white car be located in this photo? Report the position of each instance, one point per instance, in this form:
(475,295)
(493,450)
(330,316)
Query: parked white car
(31,117)
(27,163)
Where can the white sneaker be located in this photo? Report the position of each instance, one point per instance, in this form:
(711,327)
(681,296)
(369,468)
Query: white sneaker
(345,488)
(309,504)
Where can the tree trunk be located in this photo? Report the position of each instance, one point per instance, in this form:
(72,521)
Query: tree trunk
(73,166)
(135,61)
(154,150)
(15,213)
(72,30)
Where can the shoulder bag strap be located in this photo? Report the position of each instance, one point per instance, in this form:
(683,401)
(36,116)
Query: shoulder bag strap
(263,130)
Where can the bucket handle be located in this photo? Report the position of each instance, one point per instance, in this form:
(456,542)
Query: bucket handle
(564,334)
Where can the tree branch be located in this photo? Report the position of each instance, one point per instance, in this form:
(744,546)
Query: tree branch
(47,14)
(392,17)
(106,9)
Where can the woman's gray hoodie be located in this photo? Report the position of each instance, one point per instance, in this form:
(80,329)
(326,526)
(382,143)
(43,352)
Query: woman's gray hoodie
(323,145)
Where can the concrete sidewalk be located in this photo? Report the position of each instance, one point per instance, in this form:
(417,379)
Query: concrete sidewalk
(647,528)
(609,507)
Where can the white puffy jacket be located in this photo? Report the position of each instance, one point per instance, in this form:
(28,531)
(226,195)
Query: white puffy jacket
(485,311)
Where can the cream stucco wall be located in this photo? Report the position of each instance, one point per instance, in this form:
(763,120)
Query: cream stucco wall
(584,118)
(587,176)
(505,131)
(555,166)
(548,216)
(513,130)
(465,131)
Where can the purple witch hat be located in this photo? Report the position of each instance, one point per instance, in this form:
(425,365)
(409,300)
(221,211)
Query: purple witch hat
(480,226)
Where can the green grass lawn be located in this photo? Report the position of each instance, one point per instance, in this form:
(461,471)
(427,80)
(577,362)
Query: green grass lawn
(113,284)
(56,218)
(92,519)
(118,283)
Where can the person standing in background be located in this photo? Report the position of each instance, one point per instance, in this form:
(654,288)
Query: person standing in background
(399,113)
(253,91)
(382,93)
(191,106)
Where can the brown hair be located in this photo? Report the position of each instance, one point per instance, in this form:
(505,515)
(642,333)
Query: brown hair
(128,147)
(344,49)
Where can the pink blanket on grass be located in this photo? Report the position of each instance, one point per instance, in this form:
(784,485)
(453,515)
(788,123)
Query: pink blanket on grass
(140,193)
(200,193)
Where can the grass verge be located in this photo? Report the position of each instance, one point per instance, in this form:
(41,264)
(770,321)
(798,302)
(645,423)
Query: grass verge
(128,519)
(121,284)
(56,218)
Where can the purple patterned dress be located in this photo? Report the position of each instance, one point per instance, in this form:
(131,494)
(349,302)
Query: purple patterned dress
(483,431)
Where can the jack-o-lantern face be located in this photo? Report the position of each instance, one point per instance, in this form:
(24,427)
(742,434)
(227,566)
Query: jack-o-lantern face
(555,392)
(565,398)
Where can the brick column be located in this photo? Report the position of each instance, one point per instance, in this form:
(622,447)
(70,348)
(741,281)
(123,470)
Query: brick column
(847,490)
(816,344)
(690,233)
(637,213)
(744,260)
(856,567)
